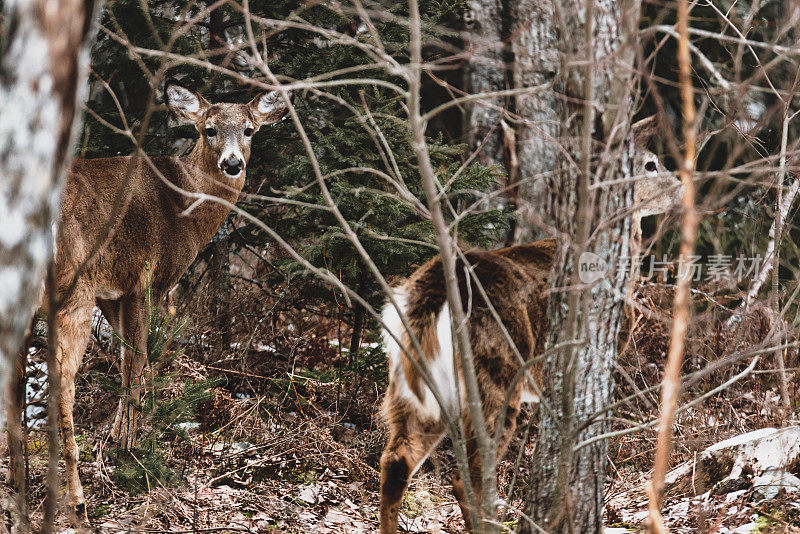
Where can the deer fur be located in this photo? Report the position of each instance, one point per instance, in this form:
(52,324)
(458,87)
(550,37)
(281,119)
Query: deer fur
(515,281)
(148,230)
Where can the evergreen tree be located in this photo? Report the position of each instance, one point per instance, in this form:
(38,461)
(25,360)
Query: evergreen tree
(395,237)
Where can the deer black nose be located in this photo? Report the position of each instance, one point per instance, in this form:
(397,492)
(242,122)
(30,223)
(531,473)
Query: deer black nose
(232,165)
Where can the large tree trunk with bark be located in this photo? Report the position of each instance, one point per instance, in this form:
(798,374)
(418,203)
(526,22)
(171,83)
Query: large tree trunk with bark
(485,73)
(534,41)
(42,78)
(596,61)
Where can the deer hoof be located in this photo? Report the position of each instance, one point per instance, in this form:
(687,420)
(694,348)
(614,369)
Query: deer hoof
(78,514)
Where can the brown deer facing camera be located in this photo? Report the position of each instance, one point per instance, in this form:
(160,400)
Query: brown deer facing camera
(515,281)
(149,230)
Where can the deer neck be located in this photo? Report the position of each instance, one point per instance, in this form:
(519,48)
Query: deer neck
(636,237)
(203,175)
(635,254)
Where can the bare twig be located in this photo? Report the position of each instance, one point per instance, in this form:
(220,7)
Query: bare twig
(680,323)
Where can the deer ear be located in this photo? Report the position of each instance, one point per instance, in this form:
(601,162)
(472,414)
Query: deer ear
(269,108)
(644,129)
(186,105)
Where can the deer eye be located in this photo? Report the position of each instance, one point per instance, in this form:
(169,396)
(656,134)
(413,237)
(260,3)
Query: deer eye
(248,132)
(211,132)
(650,166)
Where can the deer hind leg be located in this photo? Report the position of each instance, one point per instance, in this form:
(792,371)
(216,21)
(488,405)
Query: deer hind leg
(473,456)
(110,309)
(74,324)
(410,442)
(133,319)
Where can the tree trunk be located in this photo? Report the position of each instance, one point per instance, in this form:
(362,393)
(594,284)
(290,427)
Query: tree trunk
(358,317)
(485,72)
(219,272)
(42,77)
(534,42)
(567,486)
(219,268)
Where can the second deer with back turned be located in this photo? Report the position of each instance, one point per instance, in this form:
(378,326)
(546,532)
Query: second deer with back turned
(515,282)
(148,231)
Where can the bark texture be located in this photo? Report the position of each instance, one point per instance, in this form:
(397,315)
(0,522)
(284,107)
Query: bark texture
(534,42)
(566,484)
(42,78)
(486,72)
(219,272)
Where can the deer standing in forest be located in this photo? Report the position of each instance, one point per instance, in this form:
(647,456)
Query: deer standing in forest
(153,229)
(515,281)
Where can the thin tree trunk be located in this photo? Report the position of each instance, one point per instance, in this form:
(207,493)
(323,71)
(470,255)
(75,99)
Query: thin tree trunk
(219,268)
(566,492)
(358,316)
(18,435)
(671,384)
(778,238)
(53,396)
(219,272)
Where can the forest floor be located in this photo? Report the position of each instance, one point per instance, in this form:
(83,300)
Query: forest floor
(290,442)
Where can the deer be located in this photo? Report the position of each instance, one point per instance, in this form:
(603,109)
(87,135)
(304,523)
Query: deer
(154,237)
(515,281)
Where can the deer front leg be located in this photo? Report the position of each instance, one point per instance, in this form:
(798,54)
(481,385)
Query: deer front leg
(134,319)
(74,322)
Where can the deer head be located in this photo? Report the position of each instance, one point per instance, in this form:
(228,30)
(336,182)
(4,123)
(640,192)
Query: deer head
(656,190)
(225,129)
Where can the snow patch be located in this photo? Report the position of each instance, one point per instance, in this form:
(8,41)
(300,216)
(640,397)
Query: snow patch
(101,327)
(772,481)
(761,449)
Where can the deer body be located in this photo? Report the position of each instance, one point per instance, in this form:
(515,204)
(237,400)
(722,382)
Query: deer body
(150,228)
(122,209)
(515,281)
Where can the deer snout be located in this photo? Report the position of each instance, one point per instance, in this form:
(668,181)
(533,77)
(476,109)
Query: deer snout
(232,165)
